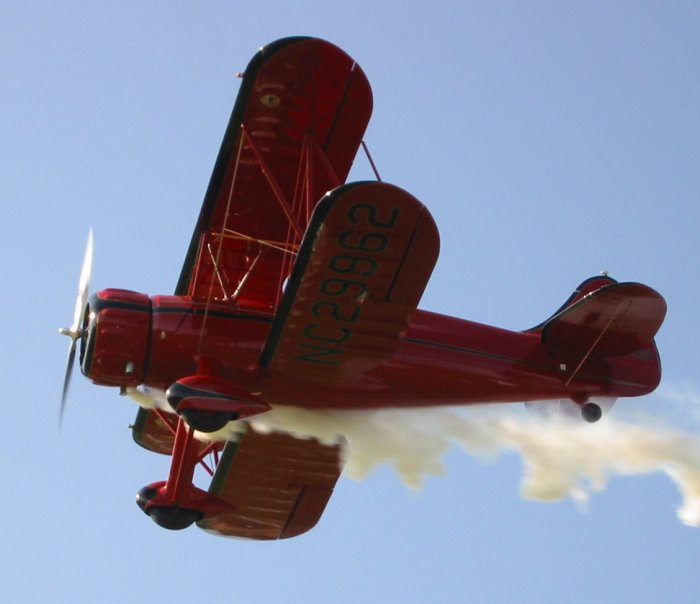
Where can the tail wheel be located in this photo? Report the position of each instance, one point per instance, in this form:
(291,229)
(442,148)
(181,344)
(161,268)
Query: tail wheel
(591,412)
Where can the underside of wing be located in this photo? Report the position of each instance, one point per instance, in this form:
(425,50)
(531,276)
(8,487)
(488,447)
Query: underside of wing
(278,485)
(296,126)
(152,432)
(366,258)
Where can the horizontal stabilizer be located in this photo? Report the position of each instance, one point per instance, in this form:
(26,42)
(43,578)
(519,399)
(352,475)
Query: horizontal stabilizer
(614,320)
(361,270)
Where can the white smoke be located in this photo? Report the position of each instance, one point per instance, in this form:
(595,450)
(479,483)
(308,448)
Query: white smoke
(562,458)
(680,400)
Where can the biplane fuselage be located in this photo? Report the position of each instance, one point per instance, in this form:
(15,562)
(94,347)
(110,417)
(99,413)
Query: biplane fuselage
(301,289)
(441,360)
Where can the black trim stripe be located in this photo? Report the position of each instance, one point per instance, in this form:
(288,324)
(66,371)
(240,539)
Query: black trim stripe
(480,353)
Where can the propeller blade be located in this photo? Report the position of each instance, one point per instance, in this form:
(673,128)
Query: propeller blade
(75,331)
(83,287)
(66,380)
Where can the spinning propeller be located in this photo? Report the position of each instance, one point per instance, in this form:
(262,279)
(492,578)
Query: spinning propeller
(77,329)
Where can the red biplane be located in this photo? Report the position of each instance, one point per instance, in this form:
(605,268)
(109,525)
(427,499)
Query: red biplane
(300,289)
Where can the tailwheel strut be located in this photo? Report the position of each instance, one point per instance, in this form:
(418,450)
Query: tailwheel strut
(176,503)
(590,412)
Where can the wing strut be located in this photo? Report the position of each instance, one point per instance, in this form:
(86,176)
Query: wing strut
(365,148)
(216,262)
(277,190)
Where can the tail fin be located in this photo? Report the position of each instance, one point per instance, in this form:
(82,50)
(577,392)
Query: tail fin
(615,322)
(615,319)
(588,286)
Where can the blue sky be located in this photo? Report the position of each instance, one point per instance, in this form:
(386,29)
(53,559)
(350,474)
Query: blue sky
(551,140)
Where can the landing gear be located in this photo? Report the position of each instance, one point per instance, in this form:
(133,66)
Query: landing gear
(174,518)
(171,517)
(207,421)
(591,412)
(568,409)
(208,403)
(176,503)
(144,496)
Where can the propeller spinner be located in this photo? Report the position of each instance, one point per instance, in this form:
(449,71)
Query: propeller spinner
(76,330)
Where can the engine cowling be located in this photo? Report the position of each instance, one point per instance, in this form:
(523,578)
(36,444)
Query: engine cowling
(114,350)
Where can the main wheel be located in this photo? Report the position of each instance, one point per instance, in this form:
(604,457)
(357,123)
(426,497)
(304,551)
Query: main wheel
(206,421)
(174,518)
(171,517)
(591,412)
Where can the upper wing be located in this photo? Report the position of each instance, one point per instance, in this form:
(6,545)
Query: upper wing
(366,258)
(296,126)
(279,485)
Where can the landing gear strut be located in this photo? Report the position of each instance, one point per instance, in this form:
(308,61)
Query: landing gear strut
(176,503)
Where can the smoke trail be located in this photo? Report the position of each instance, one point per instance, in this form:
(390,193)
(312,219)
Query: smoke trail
(682,400)
(562,458)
